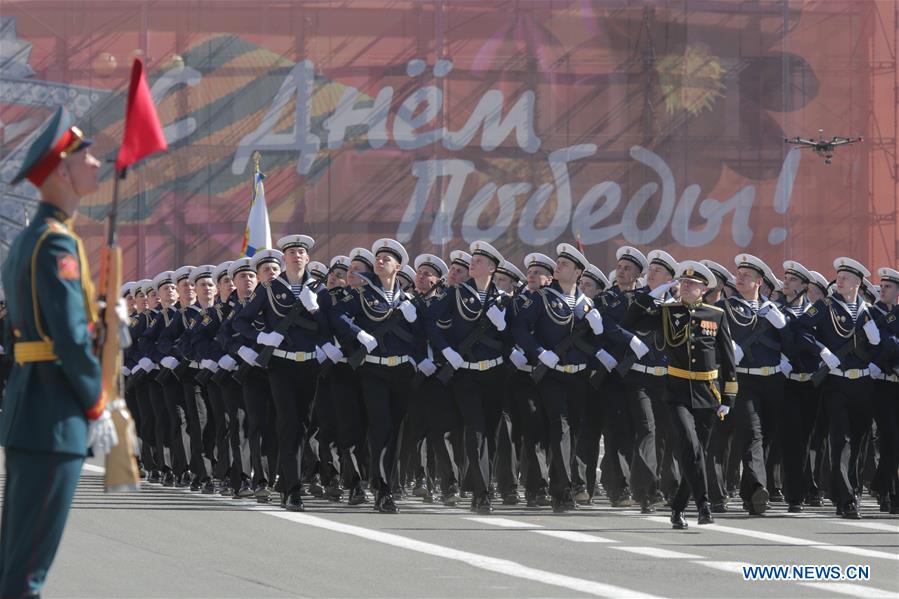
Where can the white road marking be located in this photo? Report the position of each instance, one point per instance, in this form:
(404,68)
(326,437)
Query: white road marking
(503,522)
(92,468)
(729,567)
(565,535)
(853,590)
(657,552)
(870,525)
(785,540)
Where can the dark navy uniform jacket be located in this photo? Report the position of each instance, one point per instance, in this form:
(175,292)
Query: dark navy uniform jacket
(887,319)
(367,309)
(613,304)
(168,342)
(137,325)
(157,322)
(190,318)
(451,315)
(227,338)
(829,322)
(743,322)
(800,360)
(203,345)
(271,303)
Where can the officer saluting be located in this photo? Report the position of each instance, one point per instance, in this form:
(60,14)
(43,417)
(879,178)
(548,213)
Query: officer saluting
(54,409)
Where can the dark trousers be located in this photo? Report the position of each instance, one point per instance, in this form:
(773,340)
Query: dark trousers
(36,501)
(771,417)
(257,396)
(293,388)
(346,395)
(849,405)
(150,454)
(219,430)
(385,390)
(800,407)
(197,420)
(747,441)
(667,449)
(232,396)
(587,448)
(562,397)
(162,432)
(534,465)
(886,415)
(640,388)
(173,395)
(441,419)
(719,458)
(694,427)
(324,416)
(615,467)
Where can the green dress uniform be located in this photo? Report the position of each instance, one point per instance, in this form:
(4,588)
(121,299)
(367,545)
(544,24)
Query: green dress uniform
(54,387)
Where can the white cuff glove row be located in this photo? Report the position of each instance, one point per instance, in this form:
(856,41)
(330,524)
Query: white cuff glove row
(738,352)
(169,362)
(248,355)
(227,362)
(594,319)
(408,310)
(453,357)
(871,332)
(427,367)
(548,357)
(101,435)
(660,291)
(830,359)
(272,339)
(518,358)
(775,317)
(639,348)
(606,359)
(367,340)
(309,299)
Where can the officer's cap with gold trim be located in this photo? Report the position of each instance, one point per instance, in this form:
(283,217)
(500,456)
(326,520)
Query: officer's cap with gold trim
(433,262)
(392,247)
(597,275)
(267,256)
(201,272)
(632,254)
(541,260)
(510,270)
(144,286)
(791,267)
(183,273)
(724,276)
(751,262)
(460,257)
(59,140)
(317,270)
(128,288)
(820,281)
(363,256)
(164,278)
(241,265)
(568,251)
(851,266)
(692,270)
(406,276)
(482,248)
(663,259)
(888,274)
(340,261)
(296,241)
(220,271)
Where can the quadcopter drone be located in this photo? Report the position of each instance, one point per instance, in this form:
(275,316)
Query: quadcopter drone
(823,147)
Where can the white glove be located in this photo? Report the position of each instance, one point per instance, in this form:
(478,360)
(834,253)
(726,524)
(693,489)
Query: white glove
(272,339)
(101,435)
(205,364)
(606,359)
(518,358)
(333,352)
(871,332)
(548,357)
(595,321)
(497,316)
(126,371)
(875,370)
(367,340)
(775,317)
(320,355)
(121,310)
(453,357)
(427,367)
(309,299)
(248,355)
(785,365)
(227,362)
(660,291)
(738,352)
(723,411)
(408,310)
(169,362)
(640,348)
(831,360)
(147,364)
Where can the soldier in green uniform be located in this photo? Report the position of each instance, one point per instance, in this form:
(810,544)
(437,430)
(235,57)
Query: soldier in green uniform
(54,408)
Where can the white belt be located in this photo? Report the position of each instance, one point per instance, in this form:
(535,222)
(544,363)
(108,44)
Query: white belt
(653,370)
(194,364)
(570,368)
(482,365)
(802,377)
(892,378)
(294,356)
(852,373)
(763,371)
(387,360)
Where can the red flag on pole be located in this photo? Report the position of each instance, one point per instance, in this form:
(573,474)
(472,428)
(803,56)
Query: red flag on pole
(143,133)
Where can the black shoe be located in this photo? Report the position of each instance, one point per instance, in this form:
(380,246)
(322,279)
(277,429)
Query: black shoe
(795,508)
(581,496)
(530,499)
(484,505)
(357,495)
(196,484)
(208,487)
(850,512)
(511,498)
(293,502)
(315,487)
(777,496)
(894,501)
(420,488)
(564,502)
(719,508)
(227,490)
(183,480)
(647,507)
(623,500)
(452,496)
(168,479)
(815,501)
(705,515)
(333,491)
(154,477)
(386,505)
(245,490)
(261,492)
(678,522)
(759,501)
(885,504)
(142,472)
(543,497)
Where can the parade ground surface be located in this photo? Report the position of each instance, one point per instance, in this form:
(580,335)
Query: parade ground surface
(166,542)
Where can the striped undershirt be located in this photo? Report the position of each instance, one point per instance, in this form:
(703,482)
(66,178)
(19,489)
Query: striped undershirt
(853,310)
(482,295)
(389,296)
(296,288)
(753,304)
(570,300)
(795,310)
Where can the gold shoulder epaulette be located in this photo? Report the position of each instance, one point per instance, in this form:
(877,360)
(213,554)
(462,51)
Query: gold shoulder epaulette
(54,226)
(713,307)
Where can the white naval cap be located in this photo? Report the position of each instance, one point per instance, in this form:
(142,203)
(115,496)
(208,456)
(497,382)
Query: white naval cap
(753,263)
(594,273)
(888,274)
(871,289)
(183,273)
(317,269)
(663,259)
(483,248)
(819,280)
(144,286)
(340,261)
(433,262)
(296,241)
(695,271)
(241,265)
(852,266)
(407,274)
(220,271)
(541,260)
(791,267)
(200,272)
(128,288)
(166,277)
(363,256)
(460,257)
(566,250)
(724,276)
(612,274)
(267,256)
(632,254)
(772,281)
(510,270)
(392,247)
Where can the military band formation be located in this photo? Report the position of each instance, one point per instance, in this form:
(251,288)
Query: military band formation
(276,377)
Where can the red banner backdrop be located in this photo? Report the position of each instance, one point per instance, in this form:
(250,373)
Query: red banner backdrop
(655,124)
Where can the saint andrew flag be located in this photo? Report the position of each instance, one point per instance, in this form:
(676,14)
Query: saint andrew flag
(258,234)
